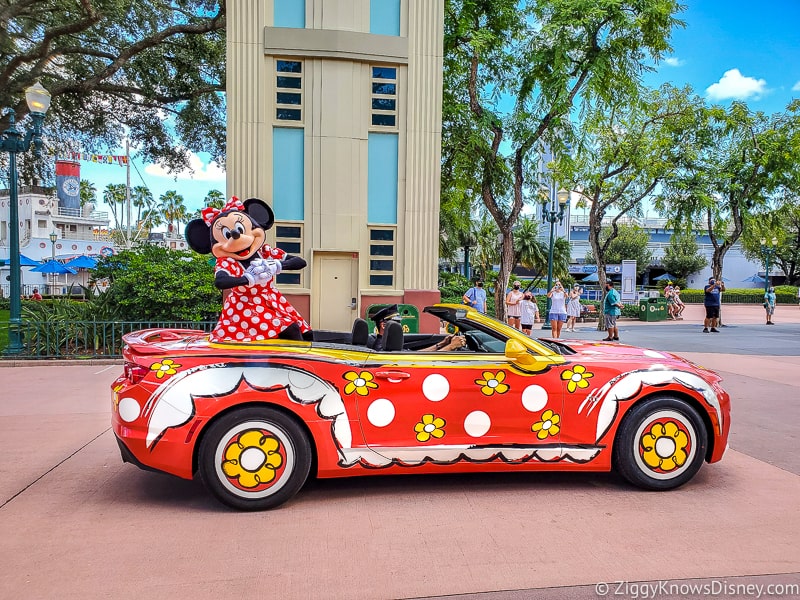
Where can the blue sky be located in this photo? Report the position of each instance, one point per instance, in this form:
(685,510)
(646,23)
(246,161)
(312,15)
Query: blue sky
(729,50)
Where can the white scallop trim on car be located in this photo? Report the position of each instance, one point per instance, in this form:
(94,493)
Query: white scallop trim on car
(172,405)
(628,385)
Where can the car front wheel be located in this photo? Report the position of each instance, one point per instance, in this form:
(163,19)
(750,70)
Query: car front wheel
(254,458)
(661,444)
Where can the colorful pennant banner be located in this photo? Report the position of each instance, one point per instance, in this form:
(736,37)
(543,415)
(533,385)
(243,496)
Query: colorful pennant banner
(104,159)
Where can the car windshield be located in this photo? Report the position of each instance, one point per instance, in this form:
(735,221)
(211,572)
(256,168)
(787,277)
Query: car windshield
(486,333)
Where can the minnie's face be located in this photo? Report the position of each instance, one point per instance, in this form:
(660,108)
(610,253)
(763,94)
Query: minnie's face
(236,236)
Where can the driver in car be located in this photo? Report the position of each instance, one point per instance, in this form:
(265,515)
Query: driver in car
(391,313)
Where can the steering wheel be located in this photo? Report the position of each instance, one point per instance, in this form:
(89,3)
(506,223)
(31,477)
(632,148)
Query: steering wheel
(472,343)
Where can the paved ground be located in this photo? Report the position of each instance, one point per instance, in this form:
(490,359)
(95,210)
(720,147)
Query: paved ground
(77,523)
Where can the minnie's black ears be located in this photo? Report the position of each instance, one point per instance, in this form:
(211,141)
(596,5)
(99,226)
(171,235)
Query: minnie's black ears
(260,212)
(198,236)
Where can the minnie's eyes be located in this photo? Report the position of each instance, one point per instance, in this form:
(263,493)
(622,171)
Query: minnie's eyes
(239,227)
(226,233)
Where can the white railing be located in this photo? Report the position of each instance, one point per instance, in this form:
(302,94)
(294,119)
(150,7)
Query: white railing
(78,214)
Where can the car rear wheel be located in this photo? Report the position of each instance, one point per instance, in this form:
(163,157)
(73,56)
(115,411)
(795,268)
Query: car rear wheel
(254,458)
(661,444)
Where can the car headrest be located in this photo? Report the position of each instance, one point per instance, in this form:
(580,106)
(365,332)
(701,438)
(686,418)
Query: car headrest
(393,334)
(360,335)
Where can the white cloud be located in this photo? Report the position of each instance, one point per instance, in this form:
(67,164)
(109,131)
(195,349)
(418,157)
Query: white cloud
(796,87)
(674,61)
(197,171)
(735,86)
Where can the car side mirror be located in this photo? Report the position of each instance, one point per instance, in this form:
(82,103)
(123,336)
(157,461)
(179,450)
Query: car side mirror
(518,353)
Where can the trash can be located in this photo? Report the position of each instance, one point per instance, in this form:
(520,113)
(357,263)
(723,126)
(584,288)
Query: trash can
(409,315)
(653,309)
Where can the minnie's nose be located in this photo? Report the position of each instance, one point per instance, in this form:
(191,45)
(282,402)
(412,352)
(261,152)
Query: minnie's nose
(235,234)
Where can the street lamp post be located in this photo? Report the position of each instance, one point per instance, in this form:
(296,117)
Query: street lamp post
(553,215)
(53,238)
(14,142)
(769,252)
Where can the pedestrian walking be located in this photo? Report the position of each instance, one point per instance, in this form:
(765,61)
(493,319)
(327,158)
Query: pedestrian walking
(612,308)
(513,308)
(712,302)
(558,308)
(476,297)
(573,307)
(679,304)
(769,304)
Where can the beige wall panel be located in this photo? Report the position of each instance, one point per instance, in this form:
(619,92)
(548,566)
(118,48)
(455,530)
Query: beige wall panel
(246,79)
(346,15)
(423,150)
(340,174)
(342,100)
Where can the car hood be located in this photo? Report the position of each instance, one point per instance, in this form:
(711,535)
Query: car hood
(630,356)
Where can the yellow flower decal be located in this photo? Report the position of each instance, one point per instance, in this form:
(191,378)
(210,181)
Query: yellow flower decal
(428,427)
(165,367)
(576,377)
(493,383)
(547,426)
(359,382)
(665,446)
(253,459)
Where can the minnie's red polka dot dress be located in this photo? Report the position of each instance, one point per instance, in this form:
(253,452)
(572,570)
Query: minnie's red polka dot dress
(258,312)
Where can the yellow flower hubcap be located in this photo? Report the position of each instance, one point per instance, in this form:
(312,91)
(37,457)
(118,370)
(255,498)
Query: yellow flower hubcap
(253,459)
(664,446)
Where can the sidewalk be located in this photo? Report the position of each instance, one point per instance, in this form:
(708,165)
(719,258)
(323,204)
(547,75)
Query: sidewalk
(732,314)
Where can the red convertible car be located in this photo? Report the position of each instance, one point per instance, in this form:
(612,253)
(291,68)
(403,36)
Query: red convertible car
(254,419)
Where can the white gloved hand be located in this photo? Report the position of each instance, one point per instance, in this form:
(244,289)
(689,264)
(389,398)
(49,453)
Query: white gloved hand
(273,266)
(251,279)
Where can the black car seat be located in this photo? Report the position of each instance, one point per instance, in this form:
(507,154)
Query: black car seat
(360,336)
(393,337)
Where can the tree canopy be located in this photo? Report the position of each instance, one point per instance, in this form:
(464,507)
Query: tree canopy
(547,56)
(151,70)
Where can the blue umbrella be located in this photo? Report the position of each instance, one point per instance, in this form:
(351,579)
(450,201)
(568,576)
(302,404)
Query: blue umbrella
(664,277)
(82,262)
(53,266)
(590,278)
(24,261)
(755,278)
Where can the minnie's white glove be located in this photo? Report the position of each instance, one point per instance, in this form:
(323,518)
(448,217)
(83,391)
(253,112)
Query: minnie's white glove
(273,266)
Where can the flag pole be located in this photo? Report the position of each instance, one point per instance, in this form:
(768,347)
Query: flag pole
(128,191)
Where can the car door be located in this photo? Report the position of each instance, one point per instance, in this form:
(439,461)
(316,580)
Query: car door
(448,407)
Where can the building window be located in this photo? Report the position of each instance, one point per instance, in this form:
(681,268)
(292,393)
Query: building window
(289,238)
(384,17)
(288,173)
(381,257)
(289,13)
(384,97)
(382,177)
(289,90)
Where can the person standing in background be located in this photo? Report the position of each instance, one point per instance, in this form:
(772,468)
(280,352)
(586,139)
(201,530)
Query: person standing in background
(573,307)
(529,312)
(712,302)
(476,297)
(611,310)
(513,308)
(558,308)
(769,304)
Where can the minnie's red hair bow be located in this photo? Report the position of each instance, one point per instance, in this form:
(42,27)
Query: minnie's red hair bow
(210,213)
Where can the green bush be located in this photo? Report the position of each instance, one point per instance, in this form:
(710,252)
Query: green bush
(784,294)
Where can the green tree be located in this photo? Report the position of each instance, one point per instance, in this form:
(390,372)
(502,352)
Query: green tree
(114,68)
(153,283)
(214,198)
(783,225)
(88,192)
(744,160)
(628,151)
(114,196)
(142,199)
(629,243)
(546,55)
(683,257)
(173,209)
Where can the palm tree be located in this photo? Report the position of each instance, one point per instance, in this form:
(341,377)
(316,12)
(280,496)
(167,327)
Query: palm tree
(114,195)
(141,198)
(529,249)
(214,198)
(88,192)
(487,248)
(173,209)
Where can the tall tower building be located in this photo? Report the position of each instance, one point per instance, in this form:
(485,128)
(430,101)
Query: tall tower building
(334,118)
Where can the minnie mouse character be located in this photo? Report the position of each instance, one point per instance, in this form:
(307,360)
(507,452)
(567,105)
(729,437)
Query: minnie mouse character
(253,309)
